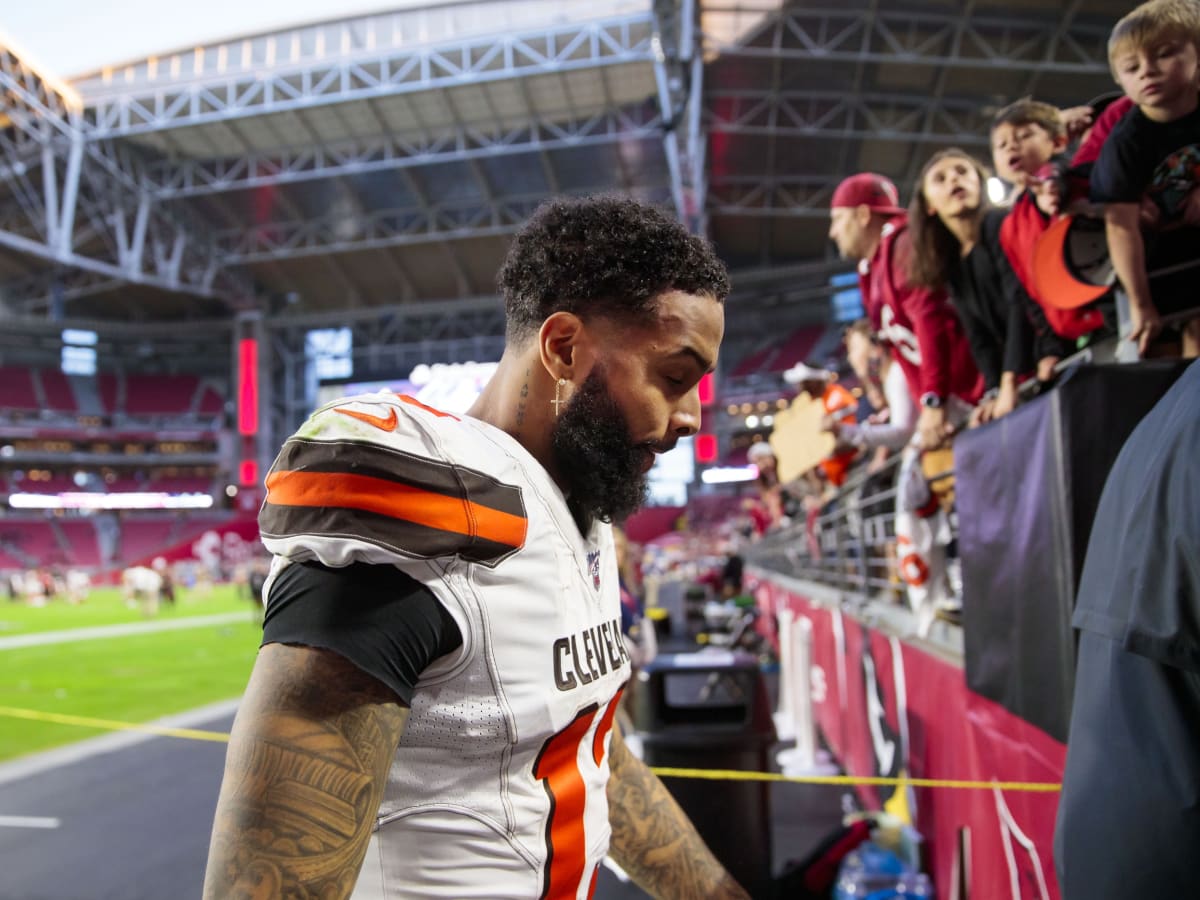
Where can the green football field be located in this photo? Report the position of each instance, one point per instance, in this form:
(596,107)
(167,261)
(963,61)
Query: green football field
(130,678)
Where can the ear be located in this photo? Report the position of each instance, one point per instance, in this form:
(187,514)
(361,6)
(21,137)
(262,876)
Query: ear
(862,214)
(1060,142)
(560,340)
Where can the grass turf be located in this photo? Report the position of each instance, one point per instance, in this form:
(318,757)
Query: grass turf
(135,678)
(106,606)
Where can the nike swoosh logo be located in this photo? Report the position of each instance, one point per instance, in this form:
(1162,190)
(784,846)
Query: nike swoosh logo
(387,423)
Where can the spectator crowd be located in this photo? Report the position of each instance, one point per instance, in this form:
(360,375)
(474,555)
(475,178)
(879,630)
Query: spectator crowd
(974,307)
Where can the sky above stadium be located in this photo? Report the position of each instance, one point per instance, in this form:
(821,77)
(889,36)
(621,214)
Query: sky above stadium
(71,37)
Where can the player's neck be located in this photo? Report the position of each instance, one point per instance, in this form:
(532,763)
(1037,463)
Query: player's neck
(518,401)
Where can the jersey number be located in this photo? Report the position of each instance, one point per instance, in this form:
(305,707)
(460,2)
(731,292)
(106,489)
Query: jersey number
(557,766)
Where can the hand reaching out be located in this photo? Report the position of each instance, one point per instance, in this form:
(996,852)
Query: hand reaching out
(1077,120)
(933,428)
(1048,194)
(1006,400)
(1146,324)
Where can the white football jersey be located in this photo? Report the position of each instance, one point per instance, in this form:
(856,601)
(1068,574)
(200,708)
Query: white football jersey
(497,789)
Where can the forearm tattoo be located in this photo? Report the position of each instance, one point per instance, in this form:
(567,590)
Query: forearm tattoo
(653,840)
(304,774)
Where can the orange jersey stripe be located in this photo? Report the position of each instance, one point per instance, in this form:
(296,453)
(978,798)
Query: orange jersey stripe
(413,401)
(398,501)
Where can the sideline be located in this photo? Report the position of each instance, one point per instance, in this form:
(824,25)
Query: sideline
(26,766)
(133,733)
(99,632)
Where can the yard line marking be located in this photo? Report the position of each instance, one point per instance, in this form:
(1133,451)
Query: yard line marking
(111,725)
(661,771)
(72,754)
(99,632)
(28,822)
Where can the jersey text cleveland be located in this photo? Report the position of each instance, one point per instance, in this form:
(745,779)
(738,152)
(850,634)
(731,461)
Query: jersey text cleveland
(587,655)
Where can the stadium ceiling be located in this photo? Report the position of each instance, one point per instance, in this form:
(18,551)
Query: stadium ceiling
(385,160)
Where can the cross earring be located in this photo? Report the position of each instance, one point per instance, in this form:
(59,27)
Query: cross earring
(558,401)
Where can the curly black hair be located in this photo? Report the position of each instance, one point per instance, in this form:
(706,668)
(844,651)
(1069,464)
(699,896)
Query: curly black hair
(601,256)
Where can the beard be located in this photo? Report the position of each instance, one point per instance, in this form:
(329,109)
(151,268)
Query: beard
(599,463)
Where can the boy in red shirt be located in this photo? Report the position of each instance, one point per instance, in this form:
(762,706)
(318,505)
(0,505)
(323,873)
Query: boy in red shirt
(1027,137)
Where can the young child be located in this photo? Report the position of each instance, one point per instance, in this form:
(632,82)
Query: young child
(1027,136)
(956,247)
(1154,53)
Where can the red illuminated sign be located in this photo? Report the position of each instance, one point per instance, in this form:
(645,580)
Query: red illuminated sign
(248,472)
(248,386)
(706,448)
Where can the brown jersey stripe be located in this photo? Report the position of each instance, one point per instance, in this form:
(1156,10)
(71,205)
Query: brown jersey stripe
(399,501)
(398,536)
(390,464)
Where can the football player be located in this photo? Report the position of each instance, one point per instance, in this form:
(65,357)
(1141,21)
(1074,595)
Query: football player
(442,655)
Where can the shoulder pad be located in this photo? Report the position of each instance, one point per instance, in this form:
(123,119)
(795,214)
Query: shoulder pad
(372,478)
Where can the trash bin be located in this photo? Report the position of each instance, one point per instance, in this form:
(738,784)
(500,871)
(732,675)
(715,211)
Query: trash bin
(661,621)
(710,710)
(694,600)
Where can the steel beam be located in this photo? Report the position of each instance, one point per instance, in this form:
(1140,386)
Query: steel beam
(832,114)
(32,102)
(126,110)
(902,37)
(435,223)
(917,158)
(101,184)
(1066,18)
(802,196)
(37,292)
(197,177)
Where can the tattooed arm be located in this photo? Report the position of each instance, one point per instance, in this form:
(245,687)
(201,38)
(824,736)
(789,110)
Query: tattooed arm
(305,771)
(653,840)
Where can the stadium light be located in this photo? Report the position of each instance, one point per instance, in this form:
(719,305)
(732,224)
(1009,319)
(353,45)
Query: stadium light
(92,501)
(729,474)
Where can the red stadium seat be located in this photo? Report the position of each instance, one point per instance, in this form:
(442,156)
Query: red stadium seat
(152,395)
(57,388)
(16,389)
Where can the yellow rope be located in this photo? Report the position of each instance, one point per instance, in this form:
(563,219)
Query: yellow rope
(109,725)
(725,775)
(662,771)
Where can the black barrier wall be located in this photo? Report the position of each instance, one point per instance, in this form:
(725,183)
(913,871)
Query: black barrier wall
(1027,489)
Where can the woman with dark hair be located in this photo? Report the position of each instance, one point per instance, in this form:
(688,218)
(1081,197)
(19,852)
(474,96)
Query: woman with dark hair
(956,246)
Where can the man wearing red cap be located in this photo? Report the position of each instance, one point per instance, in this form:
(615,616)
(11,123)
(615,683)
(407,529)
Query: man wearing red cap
(920,326)
(927,339)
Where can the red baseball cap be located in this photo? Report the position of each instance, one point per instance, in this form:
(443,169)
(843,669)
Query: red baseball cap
(1071,266)
(868,189)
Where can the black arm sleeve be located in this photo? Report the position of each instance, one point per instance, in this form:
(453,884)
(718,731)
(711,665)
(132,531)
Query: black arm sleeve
(382,620)
(965,299)
(1019,324)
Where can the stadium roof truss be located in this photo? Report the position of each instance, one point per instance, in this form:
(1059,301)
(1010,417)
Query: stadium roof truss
(386,159)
